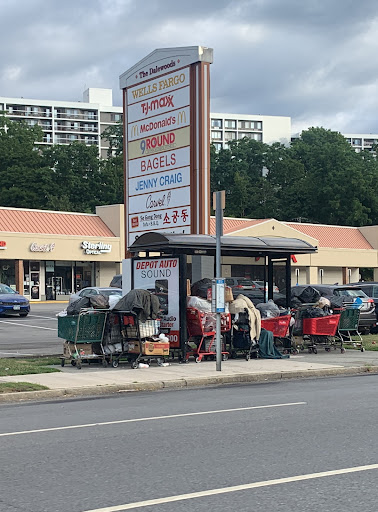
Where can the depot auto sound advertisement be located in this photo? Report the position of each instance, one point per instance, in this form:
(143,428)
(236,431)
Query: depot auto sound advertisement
(161,277)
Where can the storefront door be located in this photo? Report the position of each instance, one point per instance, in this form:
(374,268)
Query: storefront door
(32,278)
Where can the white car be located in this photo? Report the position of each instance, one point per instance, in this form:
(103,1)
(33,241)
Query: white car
(90,291)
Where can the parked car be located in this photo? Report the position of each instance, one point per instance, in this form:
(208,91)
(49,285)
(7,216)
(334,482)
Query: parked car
(371,289)
(90,291)
(116,282)
(349,293)
(260,286)
(242,283)
(12,303)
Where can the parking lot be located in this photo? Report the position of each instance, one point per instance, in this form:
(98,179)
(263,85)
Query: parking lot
(37,334)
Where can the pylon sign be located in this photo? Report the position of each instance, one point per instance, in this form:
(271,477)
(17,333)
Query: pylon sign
(166,98)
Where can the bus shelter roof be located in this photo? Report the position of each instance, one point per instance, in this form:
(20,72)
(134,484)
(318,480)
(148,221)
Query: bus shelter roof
(230,245)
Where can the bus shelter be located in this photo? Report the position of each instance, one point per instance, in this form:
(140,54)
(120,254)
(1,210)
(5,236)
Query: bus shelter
(160,264)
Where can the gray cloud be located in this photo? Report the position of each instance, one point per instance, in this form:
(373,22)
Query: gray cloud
(312,61)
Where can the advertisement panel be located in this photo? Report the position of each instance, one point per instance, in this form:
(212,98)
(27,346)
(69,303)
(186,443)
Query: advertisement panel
(159,124)
(161,162)
(157,200)
(161,277)
(172,218)
(153,144)
(163,85)
(166,102)
(160,181)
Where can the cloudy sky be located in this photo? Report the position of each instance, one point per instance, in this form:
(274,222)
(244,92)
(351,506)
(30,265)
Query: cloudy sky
(313,60)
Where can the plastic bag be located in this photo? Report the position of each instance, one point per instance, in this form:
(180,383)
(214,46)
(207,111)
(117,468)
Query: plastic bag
(199,288)
(210,322)
(268,309)
(199,303)
(75,306)
(113,300)
(309,295)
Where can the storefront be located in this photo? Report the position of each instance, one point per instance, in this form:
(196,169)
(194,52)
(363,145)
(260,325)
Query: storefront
(68,253)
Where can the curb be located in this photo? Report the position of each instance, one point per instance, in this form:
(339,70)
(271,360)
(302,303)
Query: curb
(185,383)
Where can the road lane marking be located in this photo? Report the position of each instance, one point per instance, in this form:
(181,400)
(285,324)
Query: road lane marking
(234,488)
(27,325)
(47,317)
(151,418)
(14,354)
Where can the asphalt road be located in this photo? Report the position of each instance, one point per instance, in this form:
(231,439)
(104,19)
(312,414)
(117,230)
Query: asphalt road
(37,334)
(116,453)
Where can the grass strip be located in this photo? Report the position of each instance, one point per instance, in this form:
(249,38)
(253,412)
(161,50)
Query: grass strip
(15,366)
(18,387)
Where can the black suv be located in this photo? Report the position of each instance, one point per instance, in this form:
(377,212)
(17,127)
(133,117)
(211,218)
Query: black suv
(349,293)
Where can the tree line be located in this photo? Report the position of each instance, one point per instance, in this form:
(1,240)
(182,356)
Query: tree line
(317,178)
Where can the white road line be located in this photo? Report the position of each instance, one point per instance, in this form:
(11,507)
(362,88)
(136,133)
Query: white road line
(47,317)
(27,325)
(14,354)
(151,418)
(234,488)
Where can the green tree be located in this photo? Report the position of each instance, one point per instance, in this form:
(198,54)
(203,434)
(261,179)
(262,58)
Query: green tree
(335,184)
(24,179)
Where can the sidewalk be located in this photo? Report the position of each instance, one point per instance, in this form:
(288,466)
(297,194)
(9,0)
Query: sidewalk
(95,380)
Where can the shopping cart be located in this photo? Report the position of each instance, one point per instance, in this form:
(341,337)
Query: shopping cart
(201,331)
(83,335)
(320,331)
(348,327)
(280,327)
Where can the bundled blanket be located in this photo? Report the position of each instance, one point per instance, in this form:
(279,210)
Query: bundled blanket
(243,304)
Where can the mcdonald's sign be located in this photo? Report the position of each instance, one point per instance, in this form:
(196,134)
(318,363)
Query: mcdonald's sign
(181,117)
(135,131)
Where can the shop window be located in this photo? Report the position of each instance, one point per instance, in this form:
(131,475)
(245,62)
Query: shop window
(7,272)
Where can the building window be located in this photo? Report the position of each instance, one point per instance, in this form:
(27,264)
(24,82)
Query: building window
(256,136)
(116,117)
(216,135)
(217,145)
(216,123)
(356,142)
(230,123)
(245,134)
(229,135)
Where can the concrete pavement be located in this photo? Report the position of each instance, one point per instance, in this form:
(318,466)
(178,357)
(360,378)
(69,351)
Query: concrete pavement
(95,380)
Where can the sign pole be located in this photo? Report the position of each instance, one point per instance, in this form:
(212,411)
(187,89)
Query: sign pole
(219,198)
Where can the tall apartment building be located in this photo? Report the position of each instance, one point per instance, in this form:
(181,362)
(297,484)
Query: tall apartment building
(362,141)
(64,122)
(268,129)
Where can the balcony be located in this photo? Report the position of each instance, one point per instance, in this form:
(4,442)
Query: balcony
(79,129)
(78,115)
(27,113)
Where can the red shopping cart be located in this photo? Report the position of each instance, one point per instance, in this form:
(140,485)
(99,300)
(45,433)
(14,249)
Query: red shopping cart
(201,330)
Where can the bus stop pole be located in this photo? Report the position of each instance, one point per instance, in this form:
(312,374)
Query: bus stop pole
(218,198)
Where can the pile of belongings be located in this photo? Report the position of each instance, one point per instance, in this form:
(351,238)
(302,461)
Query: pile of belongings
(95,302)
(144,304)
(241,305)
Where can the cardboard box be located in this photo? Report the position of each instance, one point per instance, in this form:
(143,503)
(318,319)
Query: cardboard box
(84,349)
(149,348)
(155,348)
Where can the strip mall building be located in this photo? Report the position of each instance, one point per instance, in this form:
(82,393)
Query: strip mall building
(48,255)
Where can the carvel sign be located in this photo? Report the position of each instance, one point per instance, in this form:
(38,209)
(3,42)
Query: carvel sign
(167,162)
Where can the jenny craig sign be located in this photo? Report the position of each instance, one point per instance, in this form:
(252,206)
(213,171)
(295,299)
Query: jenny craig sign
(96,248)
